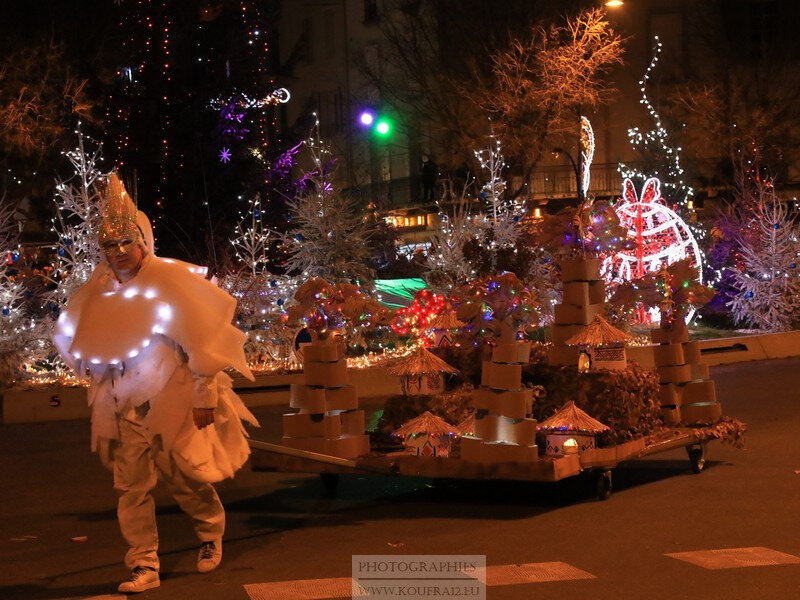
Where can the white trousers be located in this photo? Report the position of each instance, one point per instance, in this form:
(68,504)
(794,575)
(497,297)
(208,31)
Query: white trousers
(138,463)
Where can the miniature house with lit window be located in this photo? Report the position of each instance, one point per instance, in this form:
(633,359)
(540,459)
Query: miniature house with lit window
(421,372)
(427,435)
(603,343)
(570,423)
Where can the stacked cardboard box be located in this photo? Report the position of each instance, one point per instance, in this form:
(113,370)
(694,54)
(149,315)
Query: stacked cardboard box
(503,431)
(687,394)
(329,421)
(583,298)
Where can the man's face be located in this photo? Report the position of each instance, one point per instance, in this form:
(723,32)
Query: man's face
(124,256)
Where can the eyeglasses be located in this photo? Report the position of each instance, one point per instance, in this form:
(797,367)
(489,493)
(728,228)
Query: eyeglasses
(116,247)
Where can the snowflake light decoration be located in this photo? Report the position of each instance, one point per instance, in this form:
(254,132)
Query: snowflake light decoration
(225,155)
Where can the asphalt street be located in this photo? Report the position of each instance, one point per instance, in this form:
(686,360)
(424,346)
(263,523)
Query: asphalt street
(283,528)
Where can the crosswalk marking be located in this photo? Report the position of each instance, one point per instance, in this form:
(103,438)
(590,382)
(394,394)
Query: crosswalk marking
(301,589)
(531,573)
(732,558)
(342,587)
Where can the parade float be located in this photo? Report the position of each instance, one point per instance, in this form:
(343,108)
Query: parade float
(530,418)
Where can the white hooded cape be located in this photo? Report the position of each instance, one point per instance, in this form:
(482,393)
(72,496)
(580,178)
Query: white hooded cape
(164,338)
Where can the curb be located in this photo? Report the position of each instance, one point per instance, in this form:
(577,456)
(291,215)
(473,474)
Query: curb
(67,403)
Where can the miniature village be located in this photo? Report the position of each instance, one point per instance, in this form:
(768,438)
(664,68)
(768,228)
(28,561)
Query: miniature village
(513,408)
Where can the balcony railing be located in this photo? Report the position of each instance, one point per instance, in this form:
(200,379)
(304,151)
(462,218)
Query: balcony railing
(560,182)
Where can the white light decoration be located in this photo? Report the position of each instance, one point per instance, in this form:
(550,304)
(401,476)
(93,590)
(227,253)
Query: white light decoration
(504,214)
(656,143)
(659,236)
(281,95)
(587,153)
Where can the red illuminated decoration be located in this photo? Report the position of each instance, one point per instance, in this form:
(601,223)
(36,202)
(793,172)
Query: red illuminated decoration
(415,319)
(660,237)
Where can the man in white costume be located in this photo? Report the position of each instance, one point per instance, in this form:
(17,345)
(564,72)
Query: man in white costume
(154,337)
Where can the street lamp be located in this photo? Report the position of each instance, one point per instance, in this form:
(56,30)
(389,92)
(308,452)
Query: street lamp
(614,3)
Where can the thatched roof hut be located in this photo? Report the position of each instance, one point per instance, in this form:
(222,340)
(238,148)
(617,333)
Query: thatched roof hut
(598,333)
(572,418)
(445,320)
(426,423)
(467,426)
(419,362)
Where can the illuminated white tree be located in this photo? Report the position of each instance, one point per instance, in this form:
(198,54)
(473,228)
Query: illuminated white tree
(449,267)
(769,283)
(502,218)
(12,322)
(77,219)
(251,239)
(330,235)
(260,294)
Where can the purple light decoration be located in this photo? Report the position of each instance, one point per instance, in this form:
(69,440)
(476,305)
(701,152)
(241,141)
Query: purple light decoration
(366,118)
(225,155)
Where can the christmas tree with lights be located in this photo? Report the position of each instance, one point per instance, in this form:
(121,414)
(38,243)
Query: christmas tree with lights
(768,281)
(449,267)
(77,221)
(260,294)
(329,234)
(12,323)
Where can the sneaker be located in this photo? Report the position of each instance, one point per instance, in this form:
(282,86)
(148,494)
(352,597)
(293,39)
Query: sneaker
(141,579)
(209,556)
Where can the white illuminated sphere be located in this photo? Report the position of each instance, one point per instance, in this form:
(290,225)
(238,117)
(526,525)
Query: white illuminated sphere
(665,237)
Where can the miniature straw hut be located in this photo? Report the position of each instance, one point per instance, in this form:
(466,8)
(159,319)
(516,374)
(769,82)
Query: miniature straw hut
(427,435)
(420,372)
(570,422)
(442,327)
(467,426)
(604,342)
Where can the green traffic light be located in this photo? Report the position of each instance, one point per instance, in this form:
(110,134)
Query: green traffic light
(383,127)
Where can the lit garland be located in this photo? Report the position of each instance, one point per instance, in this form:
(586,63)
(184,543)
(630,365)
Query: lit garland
(366,361)
(657,141)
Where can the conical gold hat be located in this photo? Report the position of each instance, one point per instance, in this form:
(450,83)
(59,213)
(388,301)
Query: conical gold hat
(118,212)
